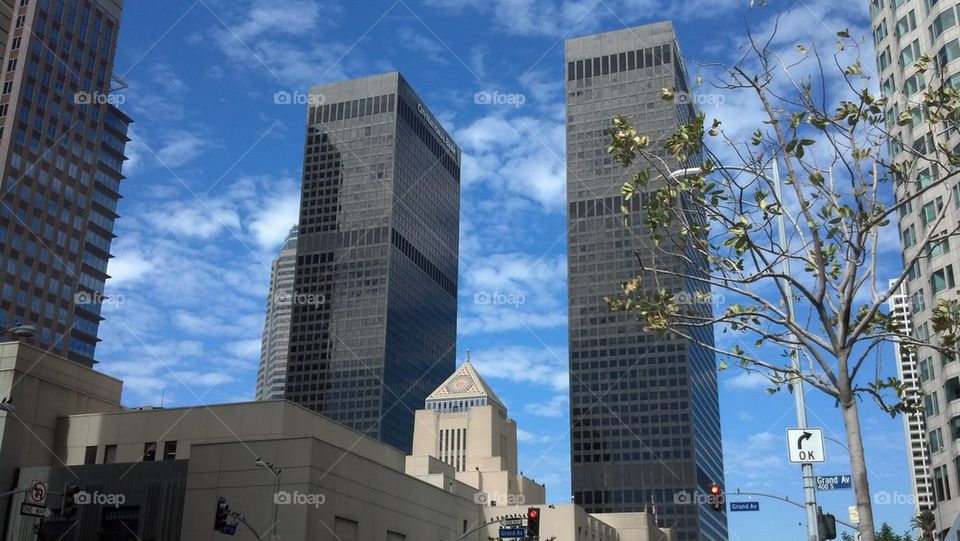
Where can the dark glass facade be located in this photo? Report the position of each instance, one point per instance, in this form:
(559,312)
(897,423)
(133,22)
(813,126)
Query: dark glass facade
(644,409)
(373,327)
(62,145)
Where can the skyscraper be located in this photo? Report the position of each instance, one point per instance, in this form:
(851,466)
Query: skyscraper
(903,31)
(374,319)
(644,409)
(61,153)
(272,375)
(914,424)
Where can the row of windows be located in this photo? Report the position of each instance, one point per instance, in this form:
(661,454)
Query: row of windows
(617,62)
(429,138)
(427,266)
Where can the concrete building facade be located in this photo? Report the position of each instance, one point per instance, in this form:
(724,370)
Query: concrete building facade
(904,31)
(62,144)
(644,408)
(156,474)
(275,345)
(376,258)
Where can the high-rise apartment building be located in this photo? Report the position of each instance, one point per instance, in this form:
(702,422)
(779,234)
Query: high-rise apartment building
(374,319)
(905,30)
(644,409)
(272,375)
(914,423)
(61,153)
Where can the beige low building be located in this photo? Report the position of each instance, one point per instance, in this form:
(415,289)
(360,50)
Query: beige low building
(157,474)
(465,425)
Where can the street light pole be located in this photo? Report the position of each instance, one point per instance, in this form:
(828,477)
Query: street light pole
(276,490)
(800,401)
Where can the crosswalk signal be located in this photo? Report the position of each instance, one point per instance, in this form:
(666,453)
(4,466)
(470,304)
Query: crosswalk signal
(223,511)
(533,522)
(716,497)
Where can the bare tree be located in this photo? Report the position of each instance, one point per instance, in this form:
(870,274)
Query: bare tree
(721,212)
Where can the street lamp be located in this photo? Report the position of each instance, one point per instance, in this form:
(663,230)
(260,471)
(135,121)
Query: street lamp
(809,489)
(20,331)
(261,463)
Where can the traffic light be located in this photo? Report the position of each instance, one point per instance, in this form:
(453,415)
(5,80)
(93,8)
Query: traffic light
(828,525)
(533,522)
(716,497)
(223,511)
(69,510)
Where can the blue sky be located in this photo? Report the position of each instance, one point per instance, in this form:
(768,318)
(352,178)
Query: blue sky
(213,188)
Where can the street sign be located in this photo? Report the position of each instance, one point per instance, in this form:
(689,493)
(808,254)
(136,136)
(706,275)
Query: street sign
(28,510)
(513,533)
(512,522)
(833,482)
(805,445)
(229,529)
(744,506)
(37,495)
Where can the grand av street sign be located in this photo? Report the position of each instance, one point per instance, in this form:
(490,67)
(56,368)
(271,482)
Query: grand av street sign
(805,445)
(744,506)
(513,533)
(833,482)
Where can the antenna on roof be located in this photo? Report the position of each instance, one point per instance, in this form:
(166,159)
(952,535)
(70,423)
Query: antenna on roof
(468,355)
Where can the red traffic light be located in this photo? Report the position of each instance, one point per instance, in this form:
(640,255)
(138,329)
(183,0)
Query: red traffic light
(533,513)
(715,490)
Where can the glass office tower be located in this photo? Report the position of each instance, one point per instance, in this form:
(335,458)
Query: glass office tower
(374,317)
(61,152)
(644,409)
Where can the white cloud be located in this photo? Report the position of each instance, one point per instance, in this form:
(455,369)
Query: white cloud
(512,291)
(519,364)
(278,39)
(181,147)
(555,407)
(516,157)
(529,437)
(271,223)
(421,43)
(201,219)
(746,381)
(567,18)
(127,268)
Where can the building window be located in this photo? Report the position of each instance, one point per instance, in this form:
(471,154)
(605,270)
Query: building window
(170,450)
(909,236)
(910,54)
(109,454)
(942,279)
(938,247)
(930,211)
(931,407)
(149,451)
(936,441)
(945,20)
(926,369)
(90,455)
(906,24)
(917,301)
(941,483)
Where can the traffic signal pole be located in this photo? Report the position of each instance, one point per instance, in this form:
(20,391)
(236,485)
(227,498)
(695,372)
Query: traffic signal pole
(800,400)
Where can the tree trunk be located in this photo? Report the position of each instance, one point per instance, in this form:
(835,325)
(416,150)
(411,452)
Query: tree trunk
(858,468)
